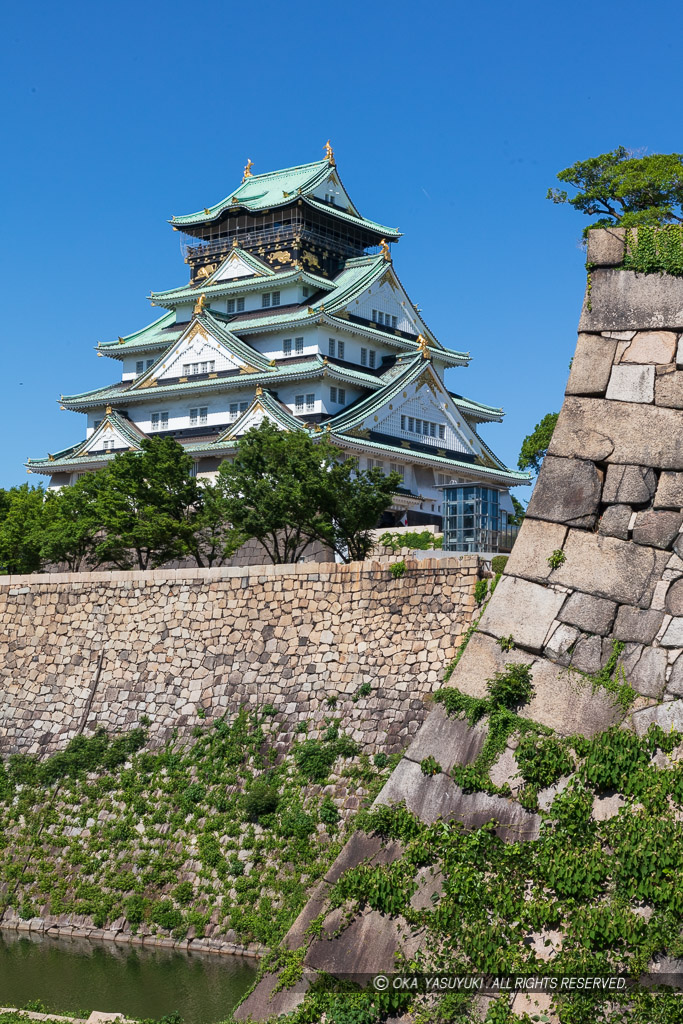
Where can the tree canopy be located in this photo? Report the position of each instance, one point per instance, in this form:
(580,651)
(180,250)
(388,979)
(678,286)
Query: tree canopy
(625,190)
(535,445)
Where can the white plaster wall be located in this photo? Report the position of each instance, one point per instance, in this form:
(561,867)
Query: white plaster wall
(388,300)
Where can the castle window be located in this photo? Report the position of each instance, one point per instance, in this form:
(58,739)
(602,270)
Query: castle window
(244,406)
(107,445)
(299,346)
(372,355)
(306,292)
(140,366)
(199,416)
(299,403)
(159,421)
(331,346)
(287,347)
(363,357)
(150,362)
(265,300)
(310,403)
(333,395)
(340,349)
(96,424)
(234,410)
(396,467)
(442,431)
(270,299)
(236,305)
(275,299)
(341,395)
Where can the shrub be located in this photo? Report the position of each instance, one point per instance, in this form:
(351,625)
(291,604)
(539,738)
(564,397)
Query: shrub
(380,760)
(183,893)
(498,563)
(542,761)
(329,815)
(166,915)
(364,690)
(134,909)
(430,766)
(260,800)
(314,760)
(398,569)
(481,588)
(557,558)
(209,851)
(511,688)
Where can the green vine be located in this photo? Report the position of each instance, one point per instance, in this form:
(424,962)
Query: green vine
(654,250)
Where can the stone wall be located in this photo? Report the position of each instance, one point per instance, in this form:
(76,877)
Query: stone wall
(107,648)
(598,561)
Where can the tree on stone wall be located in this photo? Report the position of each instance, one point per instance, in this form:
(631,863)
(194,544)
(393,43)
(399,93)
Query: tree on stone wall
(625,190)
(71,523)
(21,511)
(535,445)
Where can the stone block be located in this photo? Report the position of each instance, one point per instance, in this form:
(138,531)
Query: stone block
(673,636)
(633,485)
(431,797)
(637,624)
(562,640)
(297,934)
(608,806)
(675,682)
(367,946)
(522,609)
(615,521)
(264,1002)
(669,389)
(648,676)
(568,703)
(535,542)
(674,599)
(591,365)
(657,529)
(611,568)
(590,614)
(546,796)
(450,740)
(616,432)
(429,884)
(623,300)
(631,384)
(587,656)
(669,491)
(480,662)
(651,347)
(567,491)
(505,770)
(606,247)
(668,716)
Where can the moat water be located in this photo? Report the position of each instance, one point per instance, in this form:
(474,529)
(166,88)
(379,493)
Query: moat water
(80,976)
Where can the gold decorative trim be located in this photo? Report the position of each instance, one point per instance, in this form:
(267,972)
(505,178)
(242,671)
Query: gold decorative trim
(247,170)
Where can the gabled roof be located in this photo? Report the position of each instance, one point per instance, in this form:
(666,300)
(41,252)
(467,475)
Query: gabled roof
(129,433)
(158,334)
(358,411)
(212,289)
(281,188)
(272,409)
(477,411)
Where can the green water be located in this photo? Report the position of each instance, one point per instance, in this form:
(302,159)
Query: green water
(76,975)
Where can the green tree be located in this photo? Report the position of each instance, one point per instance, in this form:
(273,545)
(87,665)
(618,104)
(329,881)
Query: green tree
(210,539)
(625,190)
(71,522)
(21,512)
(535,445)
(288,489)
(147,505)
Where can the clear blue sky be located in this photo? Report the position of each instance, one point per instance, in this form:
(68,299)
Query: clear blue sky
(447,119)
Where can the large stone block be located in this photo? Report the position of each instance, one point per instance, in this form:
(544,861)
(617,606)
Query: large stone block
(535,542)
(632,485)
(637,624)
(611,568)
(668,716)
(606,247)
(669,491)
(265,1003)
(431,797)
(631,384)
(567,491)
(591,365)
(622,300)
(657,529)
(669,389)
(591,614)
(620,432)
(568,703)
(674,598)
(367,946)
(651,347)
(673,635)
(648,675)
(450,740)
(480,662)
(522,609)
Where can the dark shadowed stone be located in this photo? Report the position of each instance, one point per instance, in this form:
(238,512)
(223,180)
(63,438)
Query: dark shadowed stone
(618,432)
(589,613)
(657,529)
(637,624)
(633,485)
(614,521)
(611,568)
(591,365)
(669,491)
(263,1003)
(668,716)
(523,610)
(622,300)
(587,655)
(669,389)
(649,675)
(535,542)
(431,797)
(674,598)
(450,740)
(567,491)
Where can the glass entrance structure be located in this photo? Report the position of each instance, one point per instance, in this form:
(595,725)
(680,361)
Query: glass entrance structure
(474,521)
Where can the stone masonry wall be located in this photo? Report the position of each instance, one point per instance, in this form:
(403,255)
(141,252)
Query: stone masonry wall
(175,642)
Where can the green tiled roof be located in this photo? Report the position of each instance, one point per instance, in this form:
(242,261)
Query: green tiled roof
(280,188)
(151,336)
(174,296)
(354,415)
(477,410)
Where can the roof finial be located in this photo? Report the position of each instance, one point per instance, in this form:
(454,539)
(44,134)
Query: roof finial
(329,153)
(108,410)
(199,305)
(423,346)
(235,243)
(384,250)
(259,390)
(247,170)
